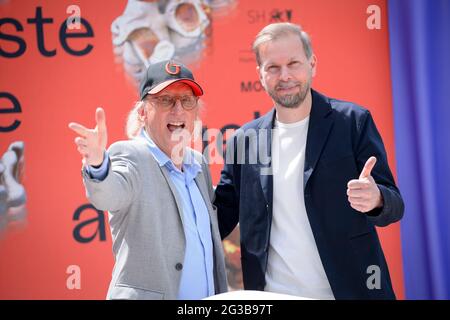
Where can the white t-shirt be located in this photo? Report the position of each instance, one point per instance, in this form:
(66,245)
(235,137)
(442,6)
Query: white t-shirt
(294,266)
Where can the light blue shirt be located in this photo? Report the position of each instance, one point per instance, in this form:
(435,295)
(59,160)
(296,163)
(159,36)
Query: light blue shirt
(197,280)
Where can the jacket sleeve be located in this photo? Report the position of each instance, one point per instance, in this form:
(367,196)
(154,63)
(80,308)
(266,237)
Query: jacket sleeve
(121,185)
(227,192)
(370,144)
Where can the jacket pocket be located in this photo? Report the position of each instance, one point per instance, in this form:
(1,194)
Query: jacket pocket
(127,292)
(361,233)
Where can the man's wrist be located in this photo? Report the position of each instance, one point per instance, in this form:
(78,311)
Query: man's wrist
(97,166)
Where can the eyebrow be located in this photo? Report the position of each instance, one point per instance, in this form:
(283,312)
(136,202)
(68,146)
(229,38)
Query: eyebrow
(271,64)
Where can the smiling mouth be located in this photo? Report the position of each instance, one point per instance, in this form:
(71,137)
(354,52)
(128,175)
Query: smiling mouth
(176,125)
(281,89)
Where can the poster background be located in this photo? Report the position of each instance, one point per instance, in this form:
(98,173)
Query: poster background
(353,64)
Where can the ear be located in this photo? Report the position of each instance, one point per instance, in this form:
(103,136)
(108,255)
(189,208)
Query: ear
(313,64)
(261,79)
(142,112)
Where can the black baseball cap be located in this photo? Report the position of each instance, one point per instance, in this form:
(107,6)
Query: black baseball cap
(162,74)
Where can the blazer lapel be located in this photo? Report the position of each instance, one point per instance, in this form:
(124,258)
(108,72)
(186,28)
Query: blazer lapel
(264,149)
(320,123)
(174,192)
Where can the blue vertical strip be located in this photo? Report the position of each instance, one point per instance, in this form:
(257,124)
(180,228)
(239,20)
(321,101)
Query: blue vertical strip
(419,33)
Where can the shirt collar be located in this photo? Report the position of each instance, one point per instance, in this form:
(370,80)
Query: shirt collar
(157,153)
(190,165)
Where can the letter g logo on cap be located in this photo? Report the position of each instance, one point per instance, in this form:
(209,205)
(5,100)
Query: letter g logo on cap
(172,68)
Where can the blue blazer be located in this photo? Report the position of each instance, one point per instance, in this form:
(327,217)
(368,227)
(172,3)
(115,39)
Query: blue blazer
(341,137)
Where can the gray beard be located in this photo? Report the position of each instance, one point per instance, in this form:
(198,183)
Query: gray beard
(291,101)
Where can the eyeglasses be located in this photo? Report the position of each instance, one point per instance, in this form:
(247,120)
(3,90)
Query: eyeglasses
(167,102)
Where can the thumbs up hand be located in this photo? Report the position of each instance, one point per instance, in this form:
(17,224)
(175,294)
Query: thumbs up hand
(363,193)
(91,143)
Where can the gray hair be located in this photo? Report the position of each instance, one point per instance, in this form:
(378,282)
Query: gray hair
(134,121)
(277,30)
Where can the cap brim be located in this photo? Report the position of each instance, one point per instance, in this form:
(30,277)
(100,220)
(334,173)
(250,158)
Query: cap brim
(198,91)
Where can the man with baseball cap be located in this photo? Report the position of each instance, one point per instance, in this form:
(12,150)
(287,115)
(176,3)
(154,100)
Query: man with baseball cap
(158,193)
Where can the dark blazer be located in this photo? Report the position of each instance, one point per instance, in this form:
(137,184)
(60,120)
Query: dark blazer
(341,137)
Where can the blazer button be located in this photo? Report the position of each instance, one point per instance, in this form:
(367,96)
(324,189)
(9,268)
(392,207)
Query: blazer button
(178,266)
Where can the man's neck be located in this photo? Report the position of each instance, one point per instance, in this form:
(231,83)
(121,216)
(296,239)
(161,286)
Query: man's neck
(291,115)
(177,158)
(179,165)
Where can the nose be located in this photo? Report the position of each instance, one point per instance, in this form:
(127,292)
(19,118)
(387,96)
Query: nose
(177,108)
(285,74)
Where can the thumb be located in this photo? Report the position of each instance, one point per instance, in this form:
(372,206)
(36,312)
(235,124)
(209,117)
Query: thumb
(100,119)
(366,171)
